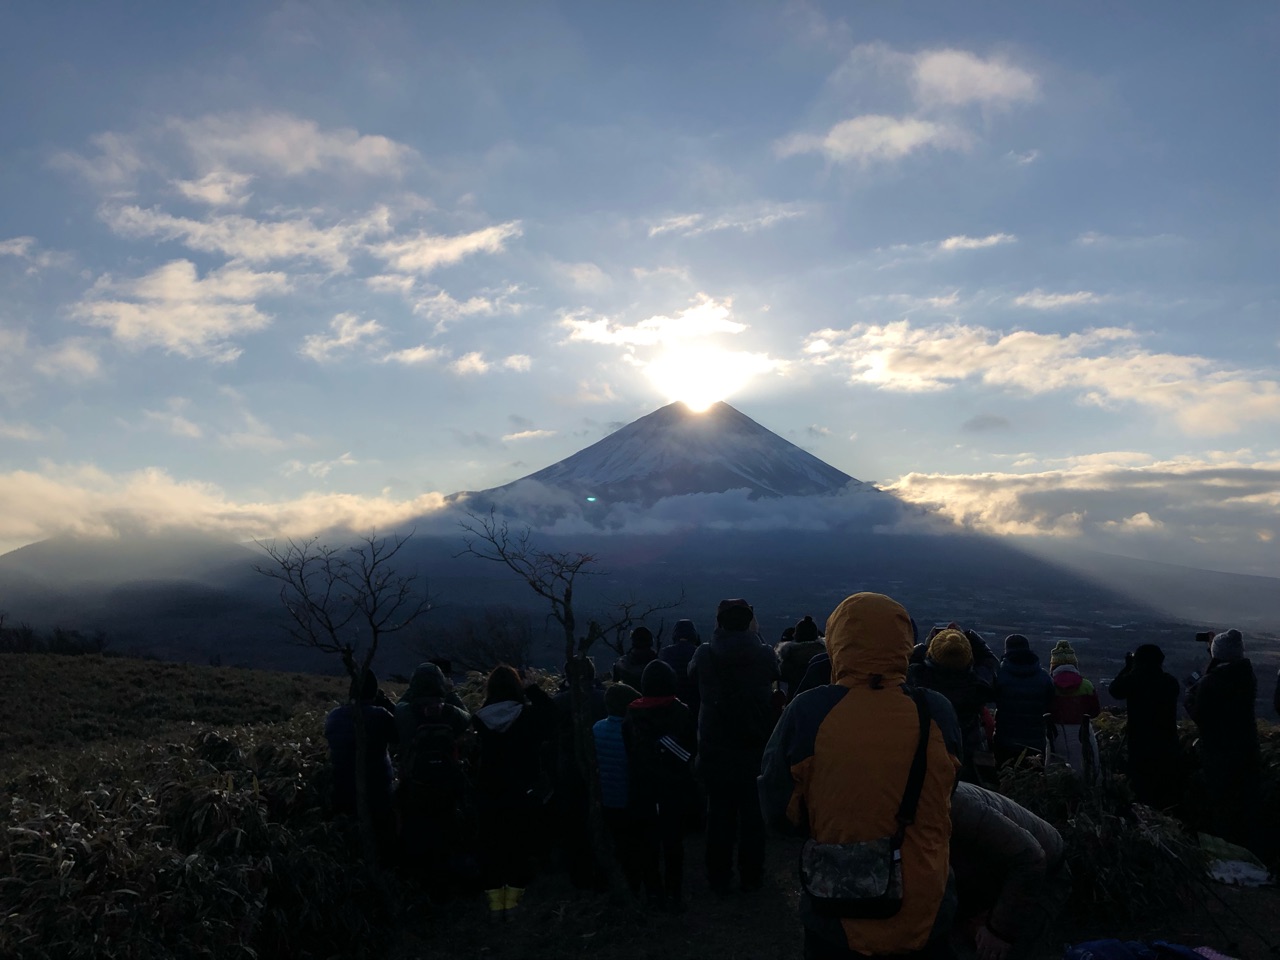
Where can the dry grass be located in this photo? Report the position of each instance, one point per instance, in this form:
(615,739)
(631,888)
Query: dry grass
(159,811)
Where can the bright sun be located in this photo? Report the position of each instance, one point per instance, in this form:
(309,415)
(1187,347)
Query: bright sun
(700,376)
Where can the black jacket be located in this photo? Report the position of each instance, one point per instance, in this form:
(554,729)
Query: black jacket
(1151,697)
(658,775)
(1222,706)
(1023,694)
(963,689)
(735,674)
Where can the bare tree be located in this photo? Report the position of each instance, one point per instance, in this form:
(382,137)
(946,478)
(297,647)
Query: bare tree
(553,575)
(495,635)
(345,601)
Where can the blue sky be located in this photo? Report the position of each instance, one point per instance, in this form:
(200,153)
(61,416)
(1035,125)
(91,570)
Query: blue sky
(266,268)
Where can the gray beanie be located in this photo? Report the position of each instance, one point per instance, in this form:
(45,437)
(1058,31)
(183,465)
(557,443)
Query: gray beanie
(1228,646)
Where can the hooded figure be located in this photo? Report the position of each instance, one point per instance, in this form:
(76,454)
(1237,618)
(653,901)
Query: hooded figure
(428,696)
(1151,725)
(511,728)
(1023,694)
(1222,705)
(836,769)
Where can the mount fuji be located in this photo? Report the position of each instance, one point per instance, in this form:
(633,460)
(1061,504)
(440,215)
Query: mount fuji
(675,452)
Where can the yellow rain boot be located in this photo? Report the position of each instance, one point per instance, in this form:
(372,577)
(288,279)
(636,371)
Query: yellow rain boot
(497,902)
(513,898)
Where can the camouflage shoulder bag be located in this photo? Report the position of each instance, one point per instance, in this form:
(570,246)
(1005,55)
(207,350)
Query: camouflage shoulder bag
(864,880)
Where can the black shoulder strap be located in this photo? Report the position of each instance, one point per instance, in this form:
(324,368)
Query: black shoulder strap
(915,779)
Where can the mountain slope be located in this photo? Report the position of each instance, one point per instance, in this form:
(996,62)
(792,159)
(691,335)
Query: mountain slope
(674,451)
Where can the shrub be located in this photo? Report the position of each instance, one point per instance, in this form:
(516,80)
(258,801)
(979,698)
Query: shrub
(217,846)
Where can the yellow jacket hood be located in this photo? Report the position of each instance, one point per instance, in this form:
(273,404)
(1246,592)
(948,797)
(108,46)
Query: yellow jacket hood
(869,636)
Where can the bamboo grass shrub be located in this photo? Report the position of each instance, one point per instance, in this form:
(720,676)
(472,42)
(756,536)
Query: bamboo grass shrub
(217,846)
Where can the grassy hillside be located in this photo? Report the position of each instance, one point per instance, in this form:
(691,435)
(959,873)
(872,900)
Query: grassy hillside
(163,811)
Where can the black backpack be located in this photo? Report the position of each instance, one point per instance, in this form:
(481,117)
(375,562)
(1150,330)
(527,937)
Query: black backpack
(431,773)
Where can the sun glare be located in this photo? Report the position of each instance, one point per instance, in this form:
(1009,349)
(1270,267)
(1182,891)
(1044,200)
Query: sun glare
(700,376)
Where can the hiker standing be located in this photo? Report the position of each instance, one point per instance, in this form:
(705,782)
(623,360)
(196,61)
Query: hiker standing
(1023,694)
(948,669)
(615,783)
(1222,705)
(511,727)
(660,739)
(1074,702)
(433,792)
(794,654)
(1151,725)
(865,766)
(735,674)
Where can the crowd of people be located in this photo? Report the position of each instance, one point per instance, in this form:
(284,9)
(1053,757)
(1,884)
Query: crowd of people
(877,747)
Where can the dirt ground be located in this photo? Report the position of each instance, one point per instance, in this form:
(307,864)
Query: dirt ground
(557,921)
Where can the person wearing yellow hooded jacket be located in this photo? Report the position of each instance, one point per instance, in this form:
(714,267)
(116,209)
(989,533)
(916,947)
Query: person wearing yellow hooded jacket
(836,769)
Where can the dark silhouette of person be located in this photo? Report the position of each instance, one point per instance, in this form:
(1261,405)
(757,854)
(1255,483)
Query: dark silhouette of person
(1151,697)
(660,738)
(380,736)
(735,673)
(511,728)
(1222,705)
(1023,694)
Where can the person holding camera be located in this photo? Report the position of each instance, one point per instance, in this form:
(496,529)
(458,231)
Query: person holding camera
(1151,725)
(1222,705)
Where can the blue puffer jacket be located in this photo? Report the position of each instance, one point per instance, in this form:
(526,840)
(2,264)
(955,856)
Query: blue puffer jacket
(1023,694)
(611,761)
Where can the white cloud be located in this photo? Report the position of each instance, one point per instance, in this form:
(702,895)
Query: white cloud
(743,219)
(288,145)
(705,318)
(173,308)
(172,419)
(1039,300)
(529,435)
(116,165)
(1139,522)
(957,77)
(19,431)
(519,362)
(470,363)
(962,242)
(73,358)
(319,468)
(348,332)
(1104,241)
(255,241)
(86,500)
(1023,159)
(1206,500)
(1101,366)
(218,188)
(443,309)
(423,252)
(583,276)
(875,137)
(412,356)
(28,250)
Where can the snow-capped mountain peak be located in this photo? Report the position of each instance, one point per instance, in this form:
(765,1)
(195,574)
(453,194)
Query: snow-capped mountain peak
(675,451)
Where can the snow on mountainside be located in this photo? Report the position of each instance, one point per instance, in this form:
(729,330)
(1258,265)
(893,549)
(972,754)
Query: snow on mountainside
(674,451)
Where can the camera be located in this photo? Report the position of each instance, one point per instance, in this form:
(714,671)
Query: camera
(1205,636)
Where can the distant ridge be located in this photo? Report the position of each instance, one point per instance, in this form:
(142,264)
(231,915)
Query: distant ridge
(675,452)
